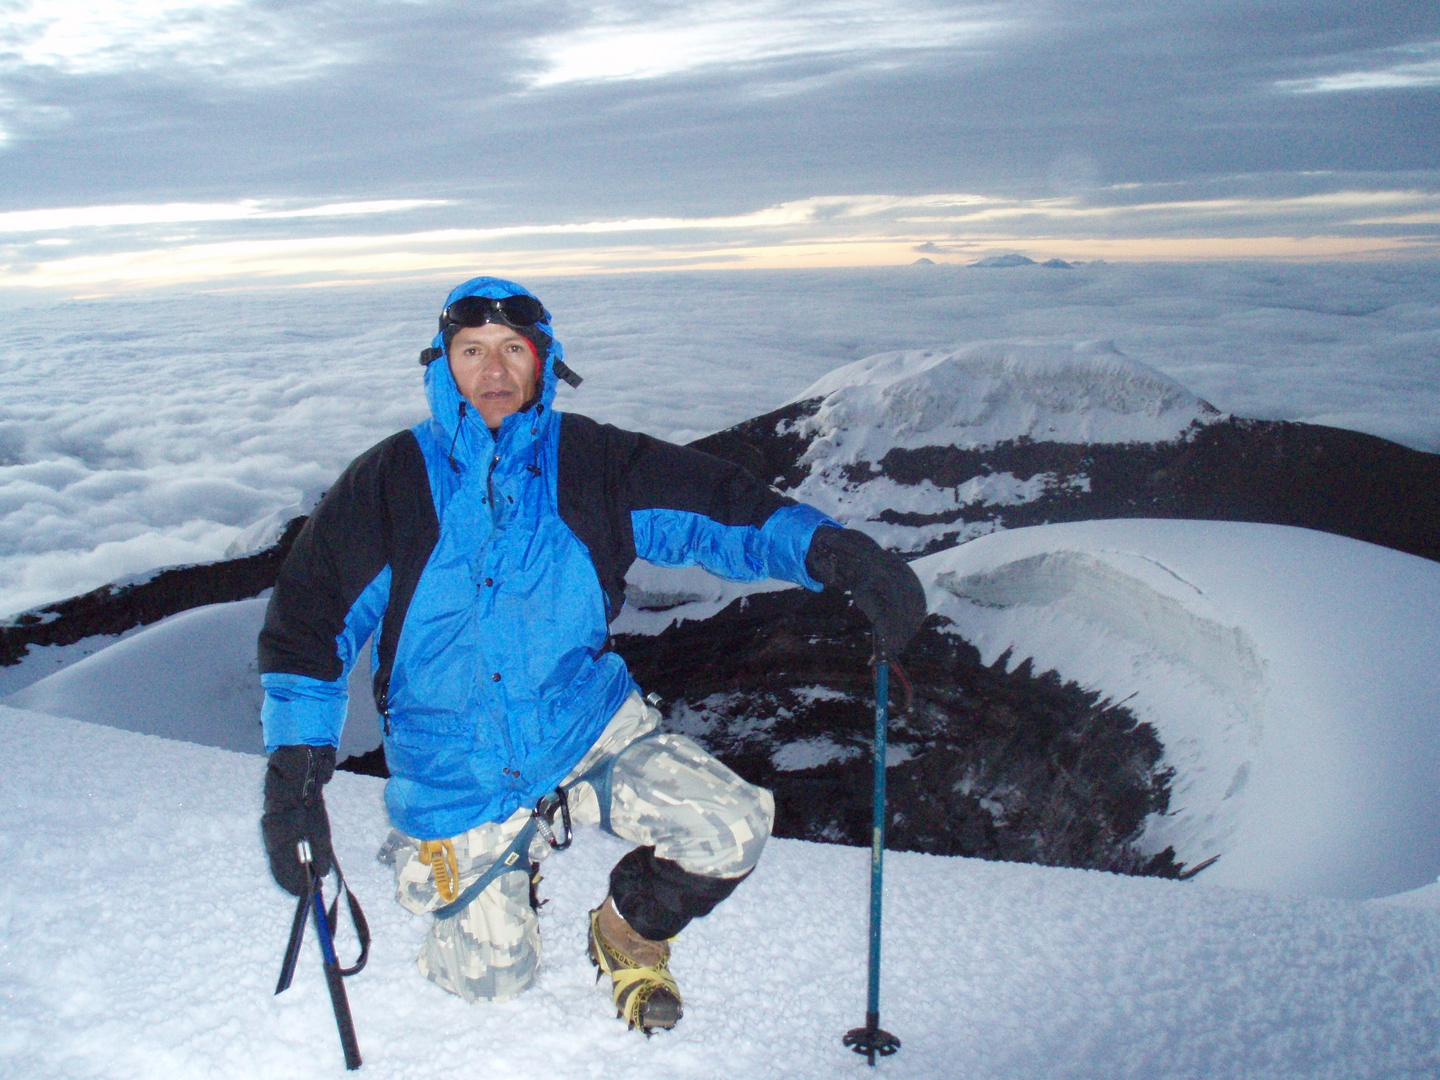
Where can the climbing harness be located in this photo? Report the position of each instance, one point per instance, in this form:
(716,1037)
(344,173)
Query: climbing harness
(516,856)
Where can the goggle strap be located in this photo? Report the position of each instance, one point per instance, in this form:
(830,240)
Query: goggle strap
(564,371)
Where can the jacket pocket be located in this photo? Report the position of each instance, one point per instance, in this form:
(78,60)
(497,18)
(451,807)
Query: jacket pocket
(431,731)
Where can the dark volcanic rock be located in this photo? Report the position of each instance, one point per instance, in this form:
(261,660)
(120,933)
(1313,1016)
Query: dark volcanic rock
(1268,471)
(114,609)
(766,445)
(1000,765)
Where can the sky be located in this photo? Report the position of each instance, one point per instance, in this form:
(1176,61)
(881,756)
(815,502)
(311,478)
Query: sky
(223,142)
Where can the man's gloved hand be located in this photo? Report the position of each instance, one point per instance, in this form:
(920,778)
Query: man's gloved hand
(881,583)
(295,808)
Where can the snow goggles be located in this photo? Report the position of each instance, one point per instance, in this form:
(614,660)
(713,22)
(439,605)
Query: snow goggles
(517,310)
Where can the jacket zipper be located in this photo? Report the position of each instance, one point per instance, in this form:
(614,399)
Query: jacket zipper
(382,702)
(490,489)
(495,520)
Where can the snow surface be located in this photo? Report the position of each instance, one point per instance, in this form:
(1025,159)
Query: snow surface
(193,676)
(266,532)
(142,937)
(1293,676)
(150,430)
(656,596)
(42,660)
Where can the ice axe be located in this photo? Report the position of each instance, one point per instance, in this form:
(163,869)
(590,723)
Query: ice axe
(872,1040)
(312,901)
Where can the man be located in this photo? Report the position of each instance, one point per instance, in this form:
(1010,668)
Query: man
(486,549)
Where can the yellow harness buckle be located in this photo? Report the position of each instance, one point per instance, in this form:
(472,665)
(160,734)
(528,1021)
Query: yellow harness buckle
(440,854)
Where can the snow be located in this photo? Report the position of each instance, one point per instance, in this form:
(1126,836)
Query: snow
(811,753)
(151,430)
(1291,674)
(974,397)
(193,676)
(657,596)
(42,660)
(142,938)
(265,532)
(988,392)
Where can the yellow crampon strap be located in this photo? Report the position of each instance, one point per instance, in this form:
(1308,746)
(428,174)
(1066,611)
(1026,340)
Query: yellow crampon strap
(630,984)
(649,980)
(440,854)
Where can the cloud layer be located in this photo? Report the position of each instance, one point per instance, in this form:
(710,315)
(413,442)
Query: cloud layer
(105,248)
(150,431)
(643,43)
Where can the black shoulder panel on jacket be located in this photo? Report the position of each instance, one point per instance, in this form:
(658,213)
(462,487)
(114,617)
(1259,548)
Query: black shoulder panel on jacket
(663,476)
(378,512)
(413,532)
(588,489)
(606,472)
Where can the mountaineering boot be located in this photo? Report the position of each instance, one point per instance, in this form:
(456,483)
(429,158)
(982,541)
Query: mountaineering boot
(644,992)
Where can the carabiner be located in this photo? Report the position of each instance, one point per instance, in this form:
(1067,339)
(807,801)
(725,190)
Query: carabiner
(545,818)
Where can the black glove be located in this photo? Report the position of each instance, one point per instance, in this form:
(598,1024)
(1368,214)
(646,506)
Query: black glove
(295,808)
(882,584)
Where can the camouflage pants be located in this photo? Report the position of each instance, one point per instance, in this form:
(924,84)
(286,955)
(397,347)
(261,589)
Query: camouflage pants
(666,791)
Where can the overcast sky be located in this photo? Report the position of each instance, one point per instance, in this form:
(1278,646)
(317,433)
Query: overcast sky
(194,141)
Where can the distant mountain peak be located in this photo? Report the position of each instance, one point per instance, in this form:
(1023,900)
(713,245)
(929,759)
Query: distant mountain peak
(995,261)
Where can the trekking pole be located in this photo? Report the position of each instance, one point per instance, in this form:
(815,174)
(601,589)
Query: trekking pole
(313,902)
(871,1040)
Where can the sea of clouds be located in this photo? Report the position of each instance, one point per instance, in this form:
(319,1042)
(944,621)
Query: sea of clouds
(148,430)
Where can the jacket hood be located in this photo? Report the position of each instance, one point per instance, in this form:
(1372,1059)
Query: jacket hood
(440,389)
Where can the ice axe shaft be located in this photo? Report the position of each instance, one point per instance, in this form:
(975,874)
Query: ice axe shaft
(312,901)
(871,1040)
(336,982)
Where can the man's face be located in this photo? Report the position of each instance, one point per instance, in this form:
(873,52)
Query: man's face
(494,367)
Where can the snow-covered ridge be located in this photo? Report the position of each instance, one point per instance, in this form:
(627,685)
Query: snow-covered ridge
(193,676)
(974,397)
(989,392)
(266,532)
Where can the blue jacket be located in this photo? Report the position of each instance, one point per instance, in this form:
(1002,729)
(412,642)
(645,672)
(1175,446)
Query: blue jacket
(491,566)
